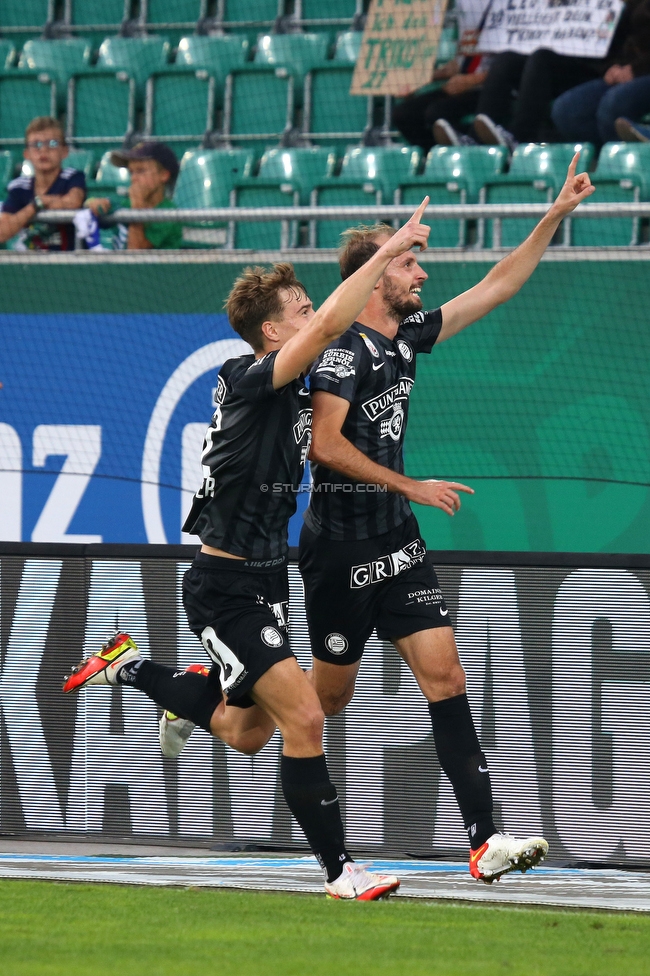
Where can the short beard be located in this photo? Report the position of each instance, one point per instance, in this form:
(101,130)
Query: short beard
(399,308)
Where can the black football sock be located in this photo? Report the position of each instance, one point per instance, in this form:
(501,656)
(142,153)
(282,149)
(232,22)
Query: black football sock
(183,693)
(311,797)
(461,757)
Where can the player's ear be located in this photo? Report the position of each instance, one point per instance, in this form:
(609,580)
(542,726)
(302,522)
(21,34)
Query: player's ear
(270,331)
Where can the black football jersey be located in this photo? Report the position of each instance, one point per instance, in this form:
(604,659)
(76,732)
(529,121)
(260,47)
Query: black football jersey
(253,459)
(376,375)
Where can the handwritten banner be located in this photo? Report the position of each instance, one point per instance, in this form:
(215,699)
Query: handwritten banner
(399,46)
(583,28)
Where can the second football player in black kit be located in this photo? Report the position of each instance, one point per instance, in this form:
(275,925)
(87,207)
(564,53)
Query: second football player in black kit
(362,558)
(236,592)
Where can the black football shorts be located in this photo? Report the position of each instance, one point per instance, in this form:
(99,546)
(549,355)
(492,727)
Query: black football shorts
(240,615)
(351,588)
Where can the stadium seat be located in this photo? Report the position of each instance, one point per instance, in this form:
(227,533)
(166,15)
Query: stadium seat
(61,59)
(447,45)
(218,55)
(444,233)
(472,165)
(100,15)
(337,191)
(109,178)
(180,106)
(608,231)
(297,52)
(264,234)
(511,231)
(348,46)
(548,161)
(258,105)
(334,12)
(330,113)
(206,179)
(21,20)
(101,107)
(7,53)
(138,56)
(386,167)
(174,17)
(626,161)
(303,168)
(6,169)
(23,96)
(258,13)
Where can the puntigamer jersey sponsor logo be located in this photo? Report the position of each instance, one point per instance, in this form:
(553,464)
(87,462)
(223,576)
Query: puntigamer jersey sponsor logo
(387,566)
(303,424)
(378,405)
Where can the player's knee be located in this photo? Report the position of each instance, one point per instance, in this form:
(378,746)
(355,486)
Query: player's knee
(333,702)
(308,721)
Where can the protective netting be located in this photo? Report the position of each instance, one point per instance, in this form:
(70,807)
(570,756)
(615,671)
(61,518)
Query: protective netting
(108,361)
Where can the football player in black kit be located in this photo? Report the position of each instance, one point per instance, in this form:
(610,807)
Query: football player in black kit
(236,592)
(362,558)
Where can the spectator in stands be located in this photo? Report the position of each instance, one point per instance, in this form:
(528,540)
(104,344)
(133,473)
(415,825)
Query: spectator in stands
(153,167)
(425,118)
(589,112)
(50,188)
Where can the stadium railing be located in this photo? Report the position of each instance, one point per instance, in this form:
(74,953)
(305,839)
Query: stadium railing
(358,214)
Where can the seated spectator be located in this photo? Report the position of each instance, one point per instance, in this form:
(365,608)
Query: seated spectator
(445,107)
(518,92)
(600,87)
(153,167)
(589,112)
(50,188)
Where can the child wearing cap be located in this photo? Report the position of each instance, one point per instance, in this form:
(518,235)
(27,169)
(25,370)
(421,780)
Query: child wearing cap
(153,168)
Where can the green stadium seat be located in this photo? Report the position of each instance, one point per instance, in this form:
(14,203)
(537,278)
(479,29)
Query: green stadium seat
(99,15)
(61,59)
(23,95)
(258,105)
(473,165)
(7,165)
(333,10)
(548,161)
(7,53)
(444,233)
(297,52)
(626,161)
(348,46)
(303,168)
(264,234)
(511,231)
(180,106)
(256,13)
(608,231)
(101,107)
(330,113)
(218,55)
(20,20)
(385,167)
(448,45)
(109,178)
(138,56)
(340,193)
(174,17)
(206,179)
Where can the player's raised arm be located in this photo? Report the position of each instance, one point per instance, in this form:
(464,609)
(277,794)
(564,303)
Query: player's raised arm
(338,312)
(506,278)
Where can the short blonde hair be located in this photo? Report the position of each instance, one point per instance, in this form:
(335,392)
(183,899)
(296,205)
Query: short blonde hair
(255,298)
(42,122)
(358,244)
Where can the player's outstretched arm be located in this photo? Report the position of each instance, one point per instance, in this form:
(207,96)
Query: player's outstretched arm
(506,278)
(338,312)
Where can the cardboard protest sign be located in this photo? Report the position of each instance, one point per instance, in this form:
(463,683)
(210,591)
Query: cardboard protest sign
(399,45)
(583,28)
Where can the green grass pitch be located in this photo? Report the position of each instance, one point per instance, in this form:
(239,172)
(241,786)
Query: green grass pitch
(47,929)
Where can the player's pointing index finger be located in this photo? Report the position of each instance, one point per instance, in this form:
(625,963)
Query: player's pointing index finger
(419,213)
(573,165)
